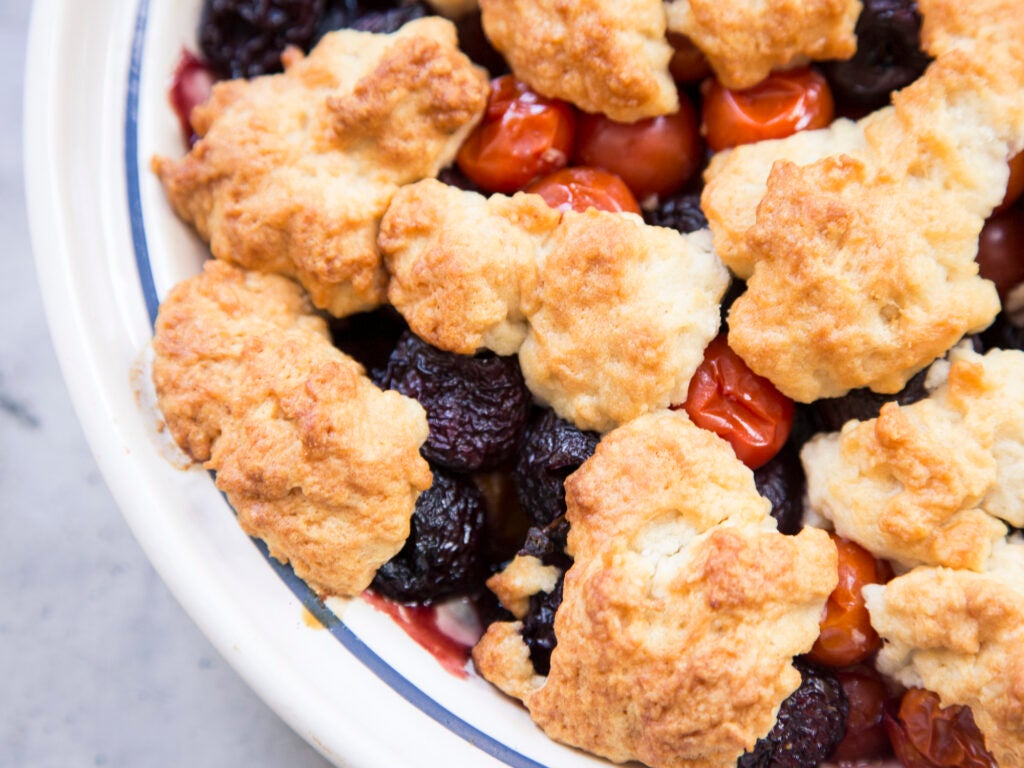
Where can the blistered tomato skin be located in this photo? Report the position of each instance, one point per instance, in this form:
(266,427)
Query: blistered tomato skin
(580,188)
(729,399)
(656,156)
(522,136)
(924,735)
(847,636)
(1001,250)
(777,107)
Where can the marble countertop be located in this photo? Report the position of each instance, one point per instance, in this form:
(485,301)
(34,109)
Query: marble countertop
(100,665)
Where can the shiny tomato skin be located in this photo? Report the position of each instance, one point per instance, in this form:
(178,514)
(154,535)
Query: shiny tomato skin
(745,409)
(1015,185)
(778,106)
(656,156)
(522,136)
(846,635)
(866,737)
(579,188)
(1001,250)
(925,735)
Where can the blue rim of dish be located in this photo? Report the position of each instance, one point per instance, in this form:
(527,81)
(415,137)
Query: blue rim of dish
(309,600)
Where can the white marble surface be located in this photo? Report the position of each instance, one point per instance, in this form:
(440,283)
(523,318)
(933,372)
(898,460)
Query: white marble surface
(99,665)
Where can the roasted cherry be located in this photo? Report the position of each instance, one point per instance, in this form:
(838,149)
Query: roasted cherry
(866,738)
(681,212)
(539,627)
(1001,250)
(863,404)
(782,482)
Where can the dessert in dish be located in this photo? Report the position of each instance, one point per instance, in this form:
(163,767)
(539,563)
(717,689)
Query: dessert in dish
(568,331)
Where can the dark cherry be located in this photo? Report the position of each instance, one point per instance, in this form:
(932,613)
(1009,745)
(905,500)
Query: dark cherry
(547,543)
(477,406)
(386,21)
(245,38)
(1003,334)
(551,450)
(191,85)
(474,43)
(888,56)
(369,337)
(810,723)
(539,627)
(863,404)
(679,211)
(782,482)
(442,556)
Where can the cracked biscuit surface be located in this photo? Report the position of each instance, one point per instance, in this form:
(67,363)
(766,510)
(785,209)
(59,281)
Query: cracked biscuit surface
(861,260)
(683,608)
(609,317)
(607,56)
(315,459)
(961,634)
(930,483)
(293,171)
(745,41)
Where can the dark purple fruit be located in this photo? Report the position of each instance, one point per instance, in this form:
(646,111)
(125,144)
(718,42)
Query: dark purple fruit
(539,627)
(369,337)
(442,556)
(782,482)
(454,177)
(1003,334)
(863,404)
(245,38)
(477,406)
(680,212)
(551,451)
(386,21)
(810,724)
(888,56)
(474,43)
(548,543)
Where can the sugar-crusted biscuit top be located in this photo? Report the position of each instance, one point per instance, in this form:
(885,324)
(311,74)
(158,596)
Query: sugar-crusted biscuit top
(961,634)
(930,483)
(683,608)
(744,42)
(607,56)
(315,459)
(293,171)
(860,255)
(609,317)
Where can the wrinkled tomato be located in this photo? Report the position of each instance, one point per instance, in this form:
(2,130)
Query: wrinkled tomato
(656,156)
(867,694)
(729,399)
(580,188)
(846,635)
(522,136)
(1001,250)
(779,106)
(924,735)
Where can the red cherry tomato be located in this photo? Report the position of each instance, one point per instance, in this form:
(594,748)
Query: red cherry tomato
(924,735)
(656,156)
(732,401)
(865,737)
(522,136)
(1001,250)
(580,188)
(779,106)
(1015,186)
(846,635)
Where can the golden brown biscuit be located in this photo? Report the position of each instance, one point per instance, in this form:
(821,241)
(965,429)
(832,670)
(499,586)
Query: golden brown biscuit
(607,56)
(683,608)
(743,42)
(315,459)
(294,171)
(861,263)
(929,483)
(610,317)
(961,635)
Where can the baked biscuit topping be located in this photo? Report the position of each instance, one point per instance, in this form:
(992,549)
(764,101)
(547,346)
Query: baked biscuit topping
(929,483)
(607,56)
(961,634)
(861,263)
(293,171)
(745,41)
(682,610)
(315,459)
(610,317)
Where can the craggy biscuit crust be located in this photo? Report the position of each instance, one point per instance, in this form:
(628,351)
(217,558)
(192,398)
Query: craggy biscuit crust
(315,459)
(682,610)
(861,260)
(930,483)
(610,317)
(745,41)
(961,634)
(294,171)
(607,56)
